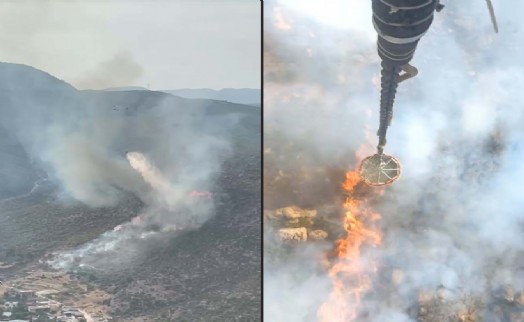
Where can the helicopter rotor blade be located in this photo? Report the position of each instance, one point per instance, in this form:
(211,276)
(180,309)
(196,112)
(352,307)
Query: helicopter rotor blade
(492,15)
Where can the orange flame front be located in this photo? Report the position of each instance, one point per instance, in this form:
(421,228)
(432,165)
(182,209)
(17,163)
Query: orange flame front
(350,273)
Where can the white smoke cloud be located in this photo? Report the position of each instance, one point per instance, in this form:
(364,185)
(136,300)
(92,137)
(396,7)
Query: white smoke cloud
(80,139)
(455,217)
(177,161)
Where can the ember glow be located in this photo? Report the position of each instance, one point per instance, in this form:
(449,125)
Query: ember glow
(201,194)
(350,273)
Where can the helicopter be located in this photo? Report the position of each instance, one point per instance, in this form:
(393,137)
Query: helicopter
(400,24)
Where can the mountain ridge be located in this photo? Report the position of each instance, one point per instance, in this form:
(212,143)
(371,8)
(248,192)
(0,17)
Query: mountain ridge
(244,95)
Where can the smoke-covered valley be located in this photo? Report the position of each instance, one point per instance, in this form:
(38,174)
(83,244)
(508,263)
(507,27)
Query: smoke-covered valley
(132,188)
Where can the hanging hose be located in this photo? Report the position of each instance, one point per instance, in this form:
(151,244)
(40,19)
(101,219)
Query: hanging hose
(389,83)
(400,24)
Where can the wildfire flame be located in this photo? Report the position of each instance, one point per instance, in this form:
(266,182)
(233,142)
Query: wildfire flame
(350,274)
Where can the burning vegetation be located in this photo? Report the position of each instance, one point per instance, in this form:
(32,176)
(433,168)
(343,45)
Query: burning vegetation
(445,242)
(349,272)
(360,272)
(351,227)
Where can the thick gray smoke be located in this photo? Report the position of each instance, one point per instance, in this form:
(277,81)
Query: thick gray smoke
(455,217)
(176,158)
(120,69)
(80,139)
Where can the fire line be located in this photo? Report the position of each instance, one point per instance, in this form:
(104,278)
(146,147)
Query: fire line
(350,273)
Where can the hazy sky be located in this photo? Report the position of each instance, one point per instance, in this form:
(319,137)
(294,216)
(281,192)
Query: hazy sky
(168,44)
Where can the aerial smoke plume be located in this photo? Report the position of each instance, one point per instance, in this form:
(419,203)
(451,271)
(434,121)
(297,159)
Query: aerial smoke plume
(79,139)
(455,217)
